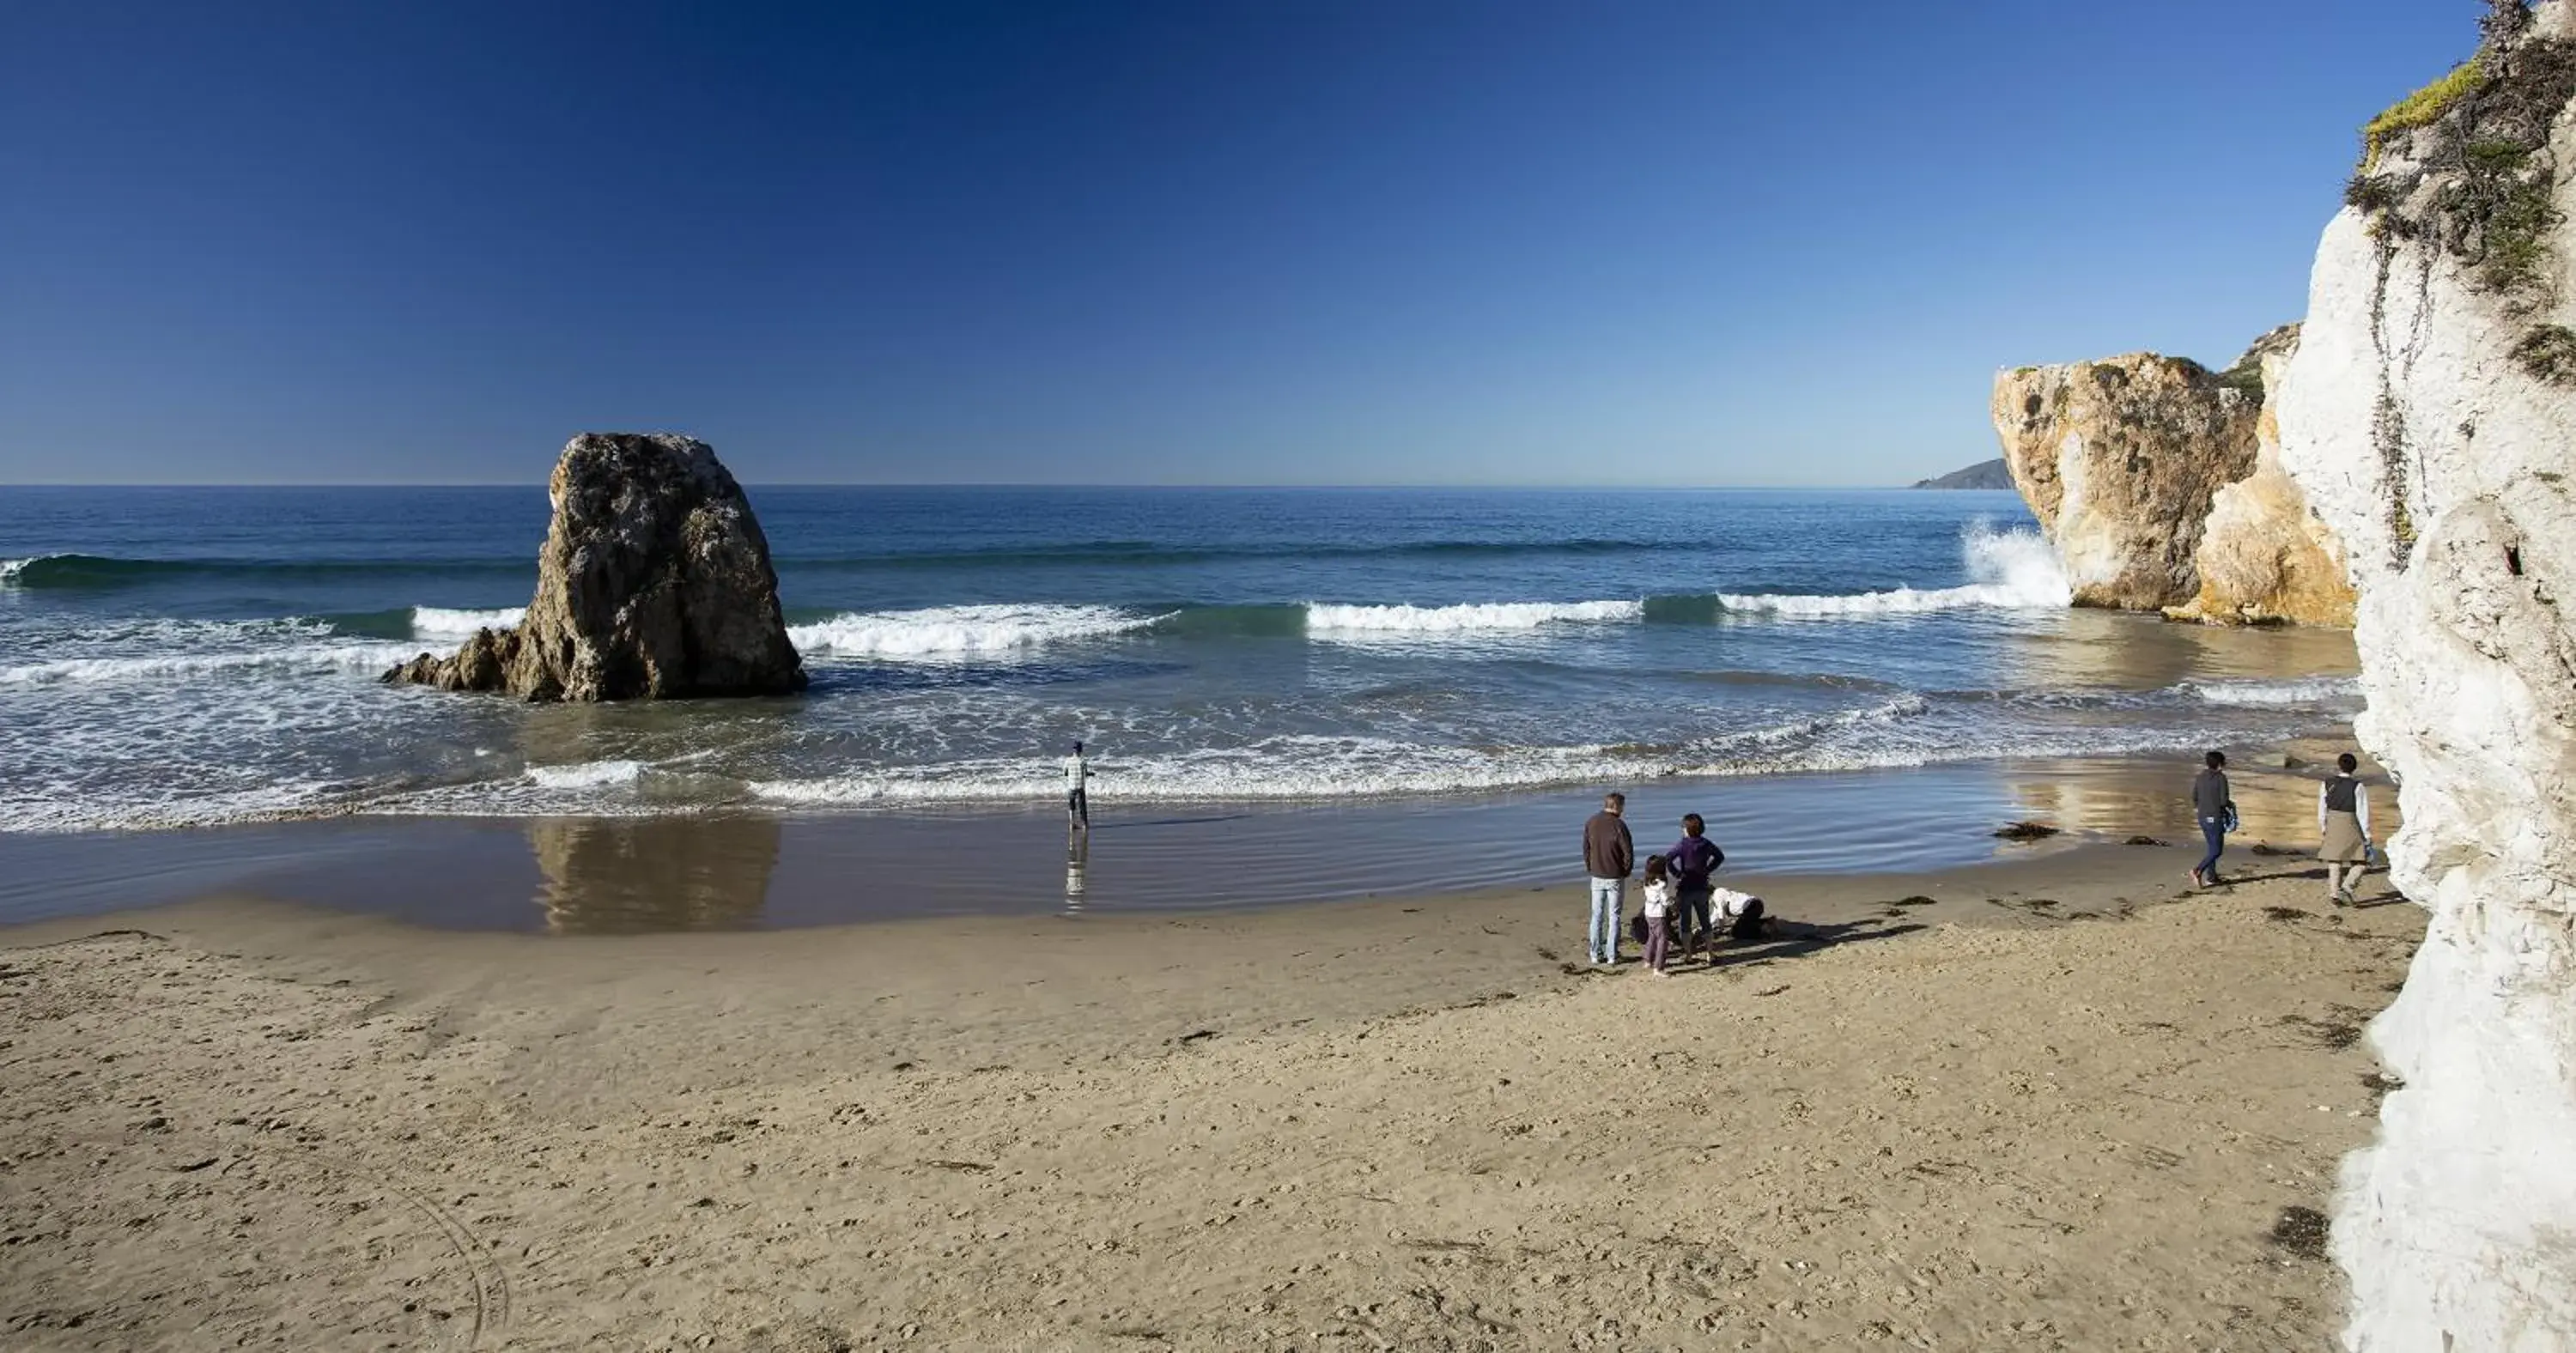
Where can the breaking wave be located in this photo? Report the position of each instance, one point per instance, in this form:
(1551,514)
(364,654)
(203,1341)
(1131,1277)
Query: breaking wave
(2269,694)
(438,622)
(2011,570)
(950,632)
(1507,615)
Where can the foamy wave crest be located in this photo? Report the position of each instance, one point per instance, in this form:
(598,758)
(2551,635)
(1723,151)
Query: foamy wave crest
(951,632)
(2269,694)
(586,774)
(2010,570)
(1504,615)
(9,569)
(363,657)
(1317,766)
(438,622)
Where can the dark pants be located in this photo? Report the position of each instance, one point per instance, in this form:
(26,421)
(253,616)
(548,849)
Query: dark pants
(1659,937)
(1077,807)
(2214,831)
(1691,917)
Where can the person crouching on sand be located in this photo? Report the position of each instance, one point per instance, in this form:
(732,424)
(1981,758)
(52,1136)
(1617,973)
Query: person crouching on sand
(2343,830)
(1739,914)
(1693,859)
(1659,911)
(1609,855)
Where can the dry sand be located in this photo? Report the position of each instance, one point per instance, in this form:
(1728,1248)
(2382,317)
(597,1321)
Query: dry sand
(2052,1108)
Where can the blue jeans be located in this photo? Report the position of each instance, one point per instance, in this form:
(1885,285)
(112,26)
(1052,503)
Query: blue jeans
(1602,941)
(2214,831)
(1690,917)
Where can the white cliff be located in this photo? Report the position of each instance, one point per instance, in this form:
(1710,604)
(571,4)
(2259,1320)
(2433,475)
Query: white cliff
(2428,416)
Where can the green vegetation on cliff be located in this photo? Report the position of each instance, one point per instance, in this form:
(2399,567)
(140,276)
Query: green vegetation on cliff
(2418,109)
(2472,176)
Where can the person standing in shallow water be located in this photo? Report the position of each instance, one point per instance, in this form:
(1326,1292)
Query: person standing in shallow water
(1077,797)
(1609,854)
(2210,805)
(2343,829)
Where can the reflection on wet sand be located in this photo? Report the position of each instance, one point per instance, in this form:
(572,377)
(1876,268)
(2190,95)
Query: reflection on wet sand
(2140,653)
(2119,798)
(609,876)
(1077,863)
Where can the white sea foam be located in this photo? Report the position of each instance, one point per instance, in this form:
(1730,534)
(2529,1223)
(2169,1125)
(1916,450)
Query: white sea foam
(1501,615)
(2011,570)
(1318,766)
(350,657)
(438,622)
(953,632)
(9,569)
(2266,694)
(586,774)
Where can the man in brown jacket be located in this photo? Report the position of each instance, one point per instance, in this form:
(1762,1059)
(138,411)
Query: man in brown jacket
(1609,856)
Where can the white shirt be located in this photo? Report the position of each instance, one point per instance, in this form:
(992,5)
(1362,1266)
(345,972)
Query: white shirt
(1075,771)
(1725,904)
(1659,899)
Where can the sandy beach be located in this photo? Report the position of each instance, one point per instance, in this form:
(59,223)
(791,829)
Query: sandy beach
(2045,1103)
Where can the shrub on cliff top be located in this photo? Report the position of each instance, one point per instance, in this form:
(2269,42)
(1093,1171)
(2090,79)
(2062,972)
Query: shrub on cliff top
(2418,109)
(2474,137)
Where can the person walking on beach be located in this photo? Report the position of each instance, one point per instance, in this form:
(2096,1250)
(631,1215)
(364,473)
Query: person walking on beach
(1077,798)
(1693,859)
(1609,855)
(2343,829)
(1659,911)
(2210,805)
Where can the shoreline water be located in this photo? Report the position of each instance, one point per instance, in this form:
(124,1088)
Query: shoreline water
(721,871)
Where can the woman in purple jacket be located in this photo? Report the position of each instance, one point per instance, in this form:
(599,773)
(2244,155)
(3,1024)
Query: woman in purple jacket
(1692,859)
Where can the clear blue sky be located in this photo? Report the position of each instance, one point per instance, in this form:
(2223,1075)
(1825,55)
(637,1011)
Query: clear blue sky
(1381,241)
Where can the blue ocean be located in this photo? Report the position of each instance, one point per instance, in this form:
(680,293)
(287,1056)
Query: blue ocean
(189,657)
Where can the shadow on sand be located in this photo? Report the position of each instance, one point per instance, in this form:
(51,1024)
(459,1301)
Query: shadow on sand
(1796,939)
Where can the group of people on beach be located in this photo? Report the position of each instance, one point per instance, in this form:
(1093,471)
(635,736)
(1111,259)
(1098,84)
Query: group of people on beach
(2343,823)
(1678,892)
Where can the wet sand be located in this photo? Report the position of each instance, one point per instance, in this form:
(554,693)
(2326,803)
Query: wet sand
(727,871)
(2055,1105)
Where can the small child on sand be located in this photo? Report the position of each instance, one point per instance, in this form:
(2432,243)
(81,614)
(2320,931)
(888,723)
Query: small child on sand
(1659,908)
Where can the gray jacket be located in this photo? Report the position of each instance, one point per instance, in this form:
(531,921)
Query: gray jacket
(2209,794)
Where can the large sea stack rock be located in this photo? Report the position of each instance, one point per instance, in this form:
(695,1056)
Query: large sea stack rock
(654,583)
(2265,557)
(2120,459)
(2430,416)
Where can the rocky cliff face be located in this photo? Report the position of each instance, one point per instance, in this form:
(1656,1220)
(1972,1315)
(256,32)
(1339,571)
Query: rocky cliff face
(2120,460)
(654,583)
(2264,556)
(2430,419)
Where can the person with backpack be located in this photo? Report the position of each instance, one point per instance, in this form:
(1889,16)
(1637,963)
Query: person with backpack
(2215,811)
(2343,829)
(1692,859)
